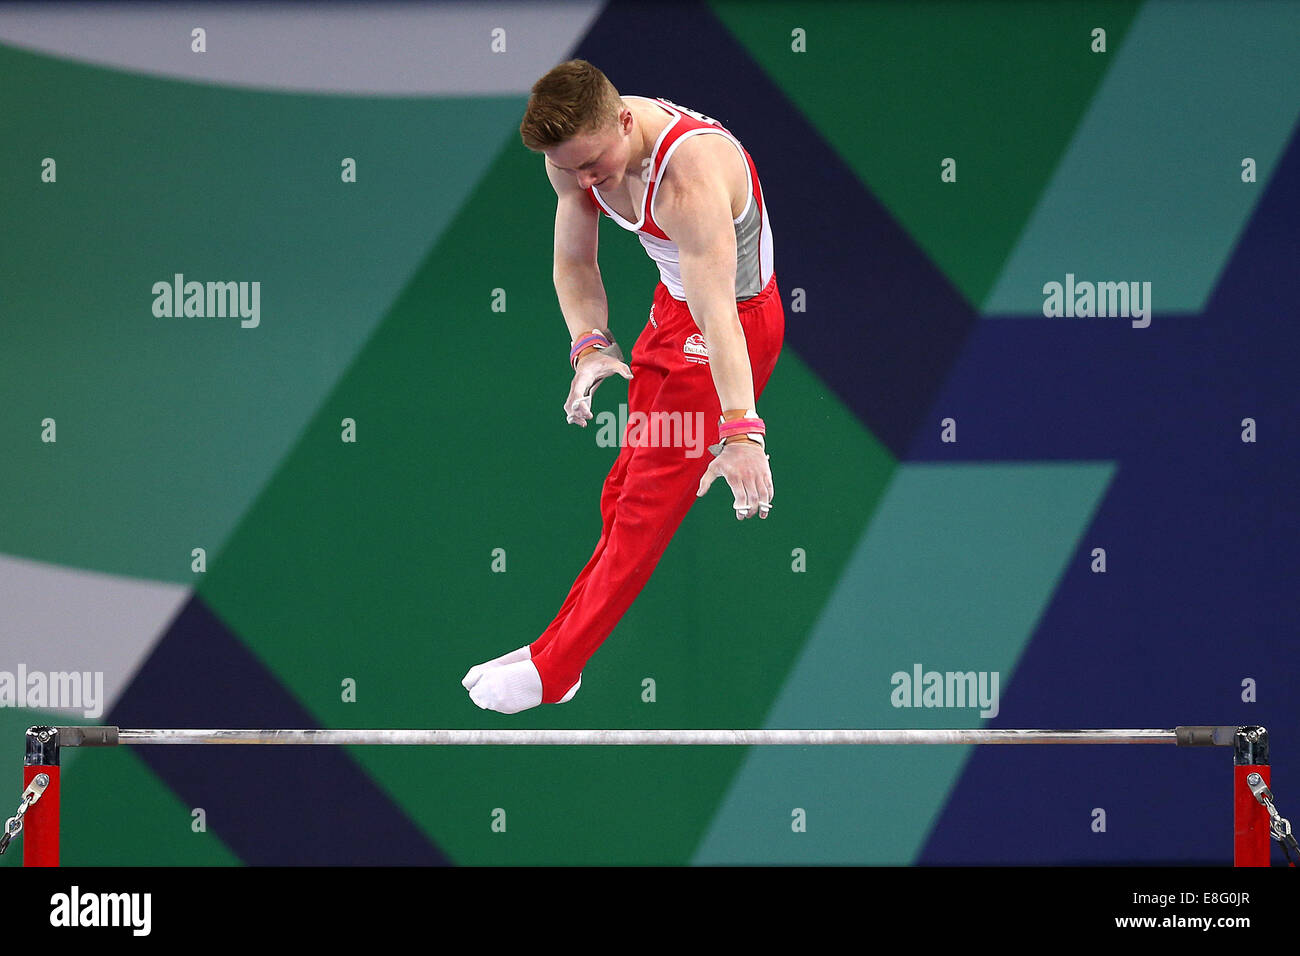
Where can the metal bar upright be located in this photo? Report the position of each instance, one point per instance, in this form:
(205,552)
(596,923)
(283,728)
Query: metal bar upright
(1250,822)
(41,822)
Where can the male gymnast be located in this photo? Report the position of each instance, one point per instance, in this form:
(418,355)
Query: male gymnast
(690,191)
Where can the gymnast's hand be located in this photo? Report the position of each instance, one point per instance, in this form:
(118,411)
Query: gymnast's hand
(744,465)
(593,368)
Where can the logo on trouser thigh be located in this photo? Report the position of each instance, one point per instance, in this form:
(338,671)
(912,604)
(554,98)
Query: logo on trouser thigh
(696,349)
(653,323)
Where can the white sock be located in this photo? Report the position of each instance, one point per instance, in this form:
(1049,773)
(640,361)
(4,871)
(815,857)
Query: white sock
(510,688)
(471,677)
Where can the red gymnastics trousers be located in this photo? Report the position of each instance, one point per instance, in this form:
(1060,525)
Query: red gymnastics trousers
(654,481)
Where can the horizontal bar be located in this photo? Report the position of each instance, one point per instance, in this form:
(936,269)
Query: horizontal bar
(585,738)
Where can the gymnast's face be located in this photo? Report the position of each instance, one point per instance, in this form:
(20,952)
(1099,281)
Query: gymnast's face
(599,158)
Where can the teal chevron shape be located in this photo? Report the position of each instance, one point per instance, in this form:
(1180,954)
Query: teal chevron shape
(896,89)
(952,574)
(1151,186)
(169,427)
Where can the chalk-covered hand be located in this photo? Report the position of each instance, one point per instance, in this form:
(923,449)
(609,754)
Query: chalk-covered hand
(744,465)
(593,368)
